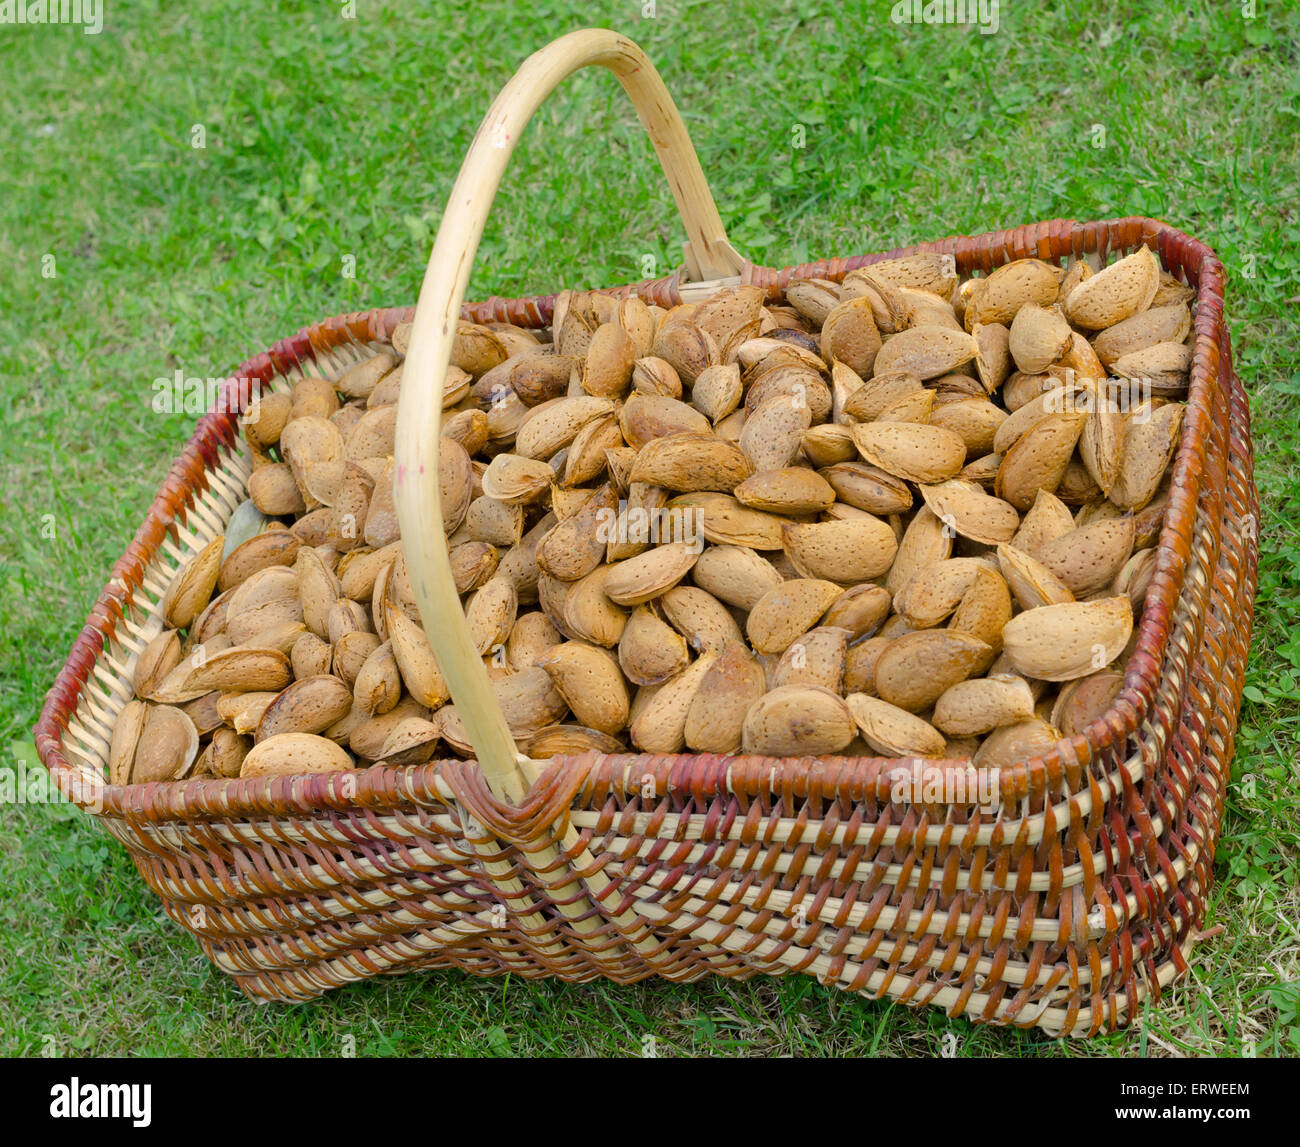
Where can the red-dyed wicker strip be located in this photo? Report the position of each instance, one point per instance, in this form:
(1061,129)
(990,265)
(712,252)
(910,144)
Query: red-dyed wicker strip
(1065,914)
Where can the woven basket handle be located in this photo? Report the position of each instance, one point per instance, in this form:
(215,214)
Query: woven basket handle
(419,411)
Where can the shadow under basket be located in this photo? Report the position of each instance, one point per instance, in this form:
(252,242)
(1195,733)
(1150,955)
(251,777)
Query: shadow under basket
(1067,909)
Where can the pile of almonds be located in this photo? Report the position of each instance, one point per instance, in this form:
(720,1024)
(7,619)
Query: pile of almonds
(904,515)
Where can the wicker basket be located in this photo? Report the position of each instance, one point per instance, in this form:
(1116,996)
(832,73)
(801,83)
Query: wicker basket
(1066,910)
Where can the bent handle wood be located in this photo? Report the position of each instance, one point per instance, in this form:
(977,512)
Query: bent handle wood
(419,409)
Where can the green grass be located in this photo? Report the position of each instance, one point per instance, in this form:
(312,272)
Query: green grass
(329,137)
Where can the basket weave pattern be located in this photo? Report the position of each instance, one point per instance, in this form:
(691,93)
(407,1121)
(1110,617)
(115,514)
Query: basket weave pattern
(1080,899)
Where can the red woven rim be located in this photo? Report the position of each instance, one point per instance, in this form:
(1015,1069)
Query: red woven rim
(384,786)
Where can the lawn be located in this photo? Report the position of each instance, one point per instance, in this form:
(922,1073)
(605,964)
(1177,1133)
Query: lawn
(132,252)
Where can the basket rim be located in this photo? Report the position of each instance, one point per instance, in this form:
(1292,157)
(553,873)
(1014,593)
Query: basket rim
(381,785)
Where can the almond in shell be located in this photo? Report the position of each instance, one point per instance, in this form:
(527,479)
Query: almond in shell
(1116,293)
(1038,459)
(982,705)
(192,585)
(853,550)
(793,490)
(689,462)
(650,651)
(311,705)
(918,667)
(788,610)
(967,509)
(1088,559)
(1038,338)
(798,720)
(909,450)
(290,754)
(659,723)
(589,680)
(729,688)
(927,351)
(1150,439)
(736,575)
(894,732)
(1073,639)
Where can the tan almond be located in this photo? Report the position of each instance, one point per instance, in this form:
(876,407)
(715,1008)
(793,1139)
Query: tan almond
(828,444)
(798,720)
(588,612)
(773,433)
(156,661)
(860,664)
(689,462)
(982,705)
(311,705)
(192,585)
(589,680)
(1038,459)
(555,424)
(310,655)
(1031,582)
(650,651)
(868,488)
(1115,293)
(1012,744)
(998,298)
(577,545)
(908,450)
(859,610)
(814,658)
(792,490)
(788,610)
(700,618)
(660,724)
(717,391)
(237,668)
(724,521)
(167,748)
(125,740)
(274,547)
(736,575)
(1150,440)
(927,351)
(1159,324)
(555,740)
(918,667)
(290,754)
(849,551)
(985,608)
(1089,559)
(644,418)
(864,403)
(367,737)
(515,480)
(934,592)
(1038,338)
(1046,519)
(967,509)
(413,742)
(415,660)
(1101,446)
(1073,639)
(728,689)
(650,574)
(974,420)
(849,335)
(1083,701)
(607,368)
(925,541)
(894,732)
(992,354)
